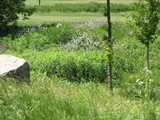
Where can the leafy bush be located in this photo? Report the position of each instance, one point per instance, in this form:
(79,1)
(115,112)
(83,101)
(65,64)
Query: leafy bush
(83,41)
(17,31)
(43,39)
(74,66)
(9,11)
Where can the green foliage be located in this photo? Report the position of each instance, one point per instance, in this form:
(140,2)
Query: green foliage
(75,66)
(72,65)
(140,86)
(145,20)
(44,47)
(79,7)
(9,10)
(55,41)
(65,100)
(45,38)
(83,41)
(84,64)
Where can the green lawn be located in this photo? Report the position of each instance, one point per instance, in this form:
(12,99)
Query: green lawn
(70,17)
(51,2)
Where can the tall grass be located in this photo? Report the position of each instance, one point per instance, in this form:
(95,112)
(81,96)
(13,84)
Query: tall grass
(80,7)
(52,98)
(51,2)
(52,95)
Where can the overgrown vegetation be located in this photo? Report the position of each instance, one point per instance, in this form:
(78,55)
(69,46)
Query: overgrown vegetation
(75,57)
(69,74)
(54,98)
(145,23)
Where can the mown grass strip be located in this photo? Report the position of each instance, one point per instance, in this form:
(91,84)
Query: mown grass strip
(70,17)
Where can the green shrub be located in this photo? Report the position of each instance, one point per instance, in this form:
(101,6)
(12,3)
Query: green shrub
(83,41)
(42,39)
(74,66)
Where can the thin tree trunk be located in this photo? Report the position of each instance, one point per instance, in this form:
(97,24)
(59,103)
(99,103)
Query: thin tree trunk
(147,70)
(110,45)
(147,56)
(39,2)
(110,87)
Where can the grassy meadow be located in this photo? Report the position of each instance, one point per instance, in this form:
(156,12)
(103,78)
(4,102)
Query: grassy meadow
(65,50)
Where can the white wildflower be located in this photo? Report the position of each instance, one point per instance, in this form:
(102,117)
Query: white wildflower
(147,70)
(58,25)
(130,33)
(140,83)
(137,80)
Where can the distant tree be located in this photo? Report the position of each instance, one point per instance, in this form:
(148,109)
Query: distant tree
(145,20)
(9,11)
(39,2)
